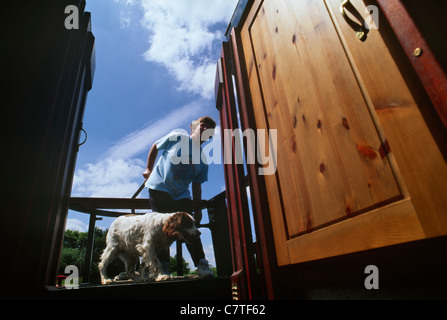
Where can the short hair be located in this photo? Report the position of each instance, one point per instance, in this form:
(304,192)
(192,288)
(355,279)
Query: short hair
(208,120)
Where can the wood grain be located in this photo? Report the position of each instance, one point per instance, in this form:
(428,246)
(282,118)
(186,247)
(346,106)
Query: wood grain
(359,165)
(310,96)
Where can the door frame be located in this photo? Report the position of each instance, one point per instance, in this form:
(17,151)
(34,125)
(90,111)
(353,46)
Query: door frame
(244,280)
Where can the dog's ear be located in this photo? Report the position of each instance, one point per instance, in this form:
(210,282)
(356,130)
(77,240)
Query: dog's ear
(176,223)
(172,226)
(186,221)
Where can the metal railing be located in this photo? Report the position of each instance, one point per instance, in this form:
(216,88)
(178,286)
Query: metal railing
(100,207)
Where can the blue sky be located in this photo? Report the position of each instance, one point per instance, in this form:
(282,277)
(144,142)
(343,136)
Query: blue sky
(155,69)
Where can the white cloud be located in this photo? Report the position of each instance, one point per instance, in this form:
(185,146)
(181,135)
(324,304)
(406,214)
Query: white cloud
(76,225)
(128,2)
(141,140)
(182,37)
(109,177)
(118,172)
(125,20)
(209,254)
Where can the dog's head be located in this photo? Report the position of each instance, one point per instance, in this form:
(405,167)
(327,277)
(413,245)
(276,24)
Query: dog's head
(181,226)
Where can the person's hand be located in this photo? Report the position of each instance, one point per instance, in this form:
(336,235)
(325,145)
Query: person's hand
(146,173)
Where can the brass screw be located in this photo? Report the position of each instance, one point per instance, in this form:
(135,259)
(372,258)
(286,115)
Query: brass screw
(417,52)
(361,35)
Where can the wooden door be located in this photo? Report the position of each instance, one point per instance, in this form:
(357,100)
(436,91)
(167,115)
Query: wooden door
(359,162)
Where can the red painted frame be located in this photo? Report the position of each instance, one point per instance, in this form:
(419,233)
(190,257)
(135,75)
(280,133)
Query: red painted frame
(244,278)
(427,67)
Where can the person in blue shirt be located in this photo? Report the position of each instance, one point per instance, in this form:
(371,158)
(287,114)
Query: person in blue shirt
(181,163)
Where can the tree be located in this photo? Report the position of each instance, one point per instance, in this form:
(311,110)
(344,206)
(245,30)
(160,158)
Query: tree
(74,239)
(70,256)
(173,266)
(74,248)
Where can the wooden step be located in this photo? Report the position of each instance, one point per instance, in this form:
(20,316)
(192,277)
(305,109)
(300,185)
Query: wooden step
(218,288)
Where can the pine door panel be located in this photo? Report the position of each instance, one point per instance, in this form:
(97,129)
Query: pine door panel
(410,122)
(337,188)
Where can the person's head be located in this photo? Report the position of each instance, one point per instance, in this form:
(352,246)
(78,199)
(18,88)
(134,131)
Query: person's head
(202,124)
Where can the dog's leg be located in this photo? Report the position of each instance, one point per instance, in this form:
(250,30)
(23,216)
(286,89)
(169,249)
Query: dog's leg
(143,271)
(164,257)
(130,263)
(151,260)
(109,254)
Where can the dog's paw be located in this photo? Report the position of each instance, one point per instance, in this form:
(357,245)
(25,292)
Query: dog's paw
(121,276)
(163,277)
(106,281)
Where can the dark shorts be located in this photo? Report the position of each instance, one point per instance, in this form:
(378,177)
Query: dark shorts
(163,202)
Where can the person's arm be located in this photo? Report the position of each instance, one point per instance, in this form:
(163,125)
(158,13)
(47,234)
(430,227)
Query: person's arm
(151,157)
(197,201)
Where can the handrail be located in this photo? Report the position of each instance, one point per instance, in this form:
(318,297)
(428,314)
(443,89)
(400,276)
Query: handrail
(92,205)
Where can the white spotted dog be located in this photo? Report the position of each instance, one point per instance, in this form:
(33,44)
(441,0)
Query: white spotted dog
(134,236)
